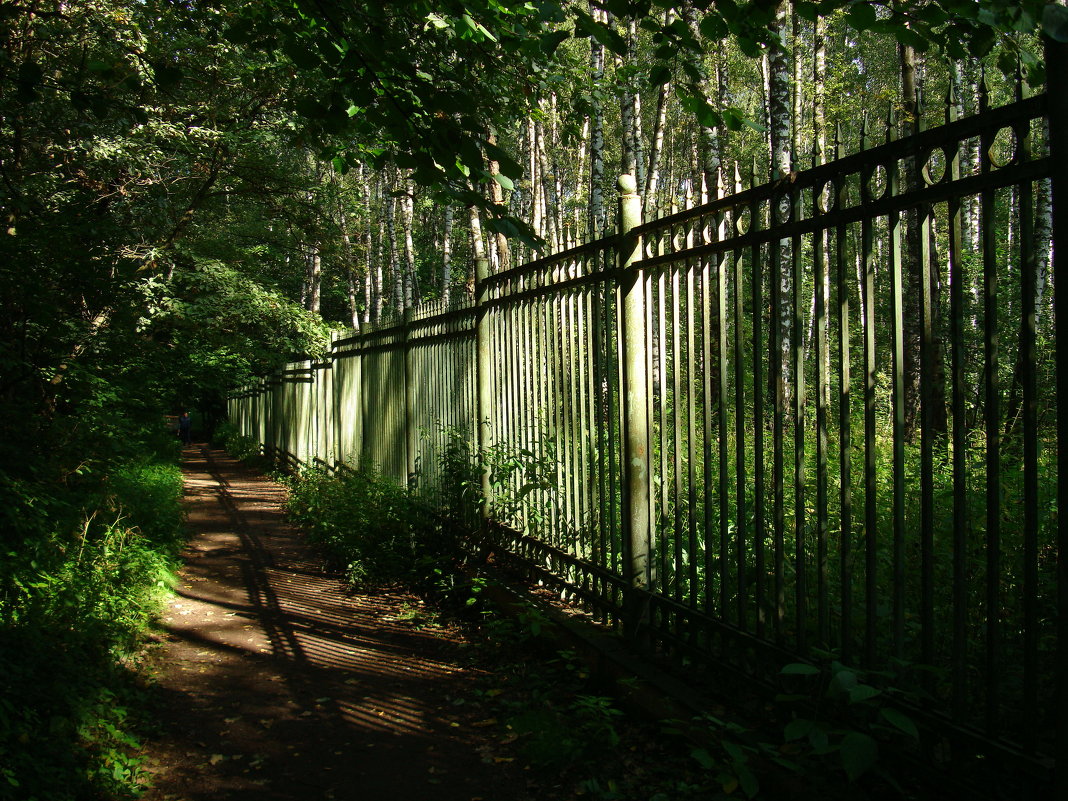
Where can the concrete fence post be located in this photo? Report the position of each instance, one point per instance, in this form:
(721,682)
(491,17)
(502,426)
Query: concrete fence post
(484,377)
(635,408)
(411,430)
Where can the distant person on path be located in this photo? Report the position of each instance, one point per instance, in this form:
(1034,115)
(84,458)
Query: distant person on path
(185,425)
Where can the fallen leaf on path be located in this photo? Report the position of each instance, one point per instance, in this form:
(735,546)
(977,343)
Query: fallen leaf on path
(215,759)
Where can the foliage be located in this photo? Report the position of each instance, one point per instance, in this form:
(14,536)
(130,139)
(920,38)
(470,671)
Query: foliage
(86,566)
(370,526)
(230,438)
(852,715)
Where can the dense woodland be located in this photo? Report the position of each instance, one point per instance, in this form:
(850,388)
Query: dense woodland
(195,191)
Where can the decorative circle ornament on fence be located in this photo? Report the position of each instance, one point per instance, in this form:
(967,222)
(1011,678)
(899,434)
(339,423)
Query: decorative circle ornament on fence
(934,167)
(876,185)
(1002,150)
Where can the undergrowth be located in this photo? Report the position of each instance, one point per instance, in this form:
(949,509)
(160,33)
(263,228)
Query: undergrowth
(229,437)
(87,560)
(375,530)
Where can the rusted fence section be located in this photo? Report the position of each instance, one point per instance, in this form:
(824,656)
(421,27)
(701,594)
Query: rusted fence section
(814,421)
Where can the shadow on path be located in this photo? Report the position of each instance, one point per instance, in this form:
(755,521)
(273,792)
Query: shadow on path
(279,683)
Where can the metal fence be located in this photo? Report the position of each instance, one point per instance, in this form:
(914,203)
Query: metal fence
(799,424)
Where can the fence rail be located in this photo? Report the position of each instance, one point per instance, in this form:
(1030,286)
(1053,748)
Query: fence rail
(815,419)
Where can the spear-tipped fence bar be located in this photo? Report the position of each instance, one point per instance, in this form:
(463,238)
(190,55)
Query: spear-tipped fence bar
(635,414)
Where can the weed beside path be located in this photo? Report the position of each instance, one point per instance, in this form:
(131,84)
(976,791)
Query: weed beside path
(276,681)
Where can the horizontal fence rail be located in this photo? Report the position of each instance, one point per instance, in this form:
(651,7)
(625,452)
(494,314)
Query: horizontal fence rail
(814,421)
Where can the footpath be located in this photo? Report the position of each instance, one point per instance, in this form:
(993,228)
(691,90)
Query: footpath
(279,682)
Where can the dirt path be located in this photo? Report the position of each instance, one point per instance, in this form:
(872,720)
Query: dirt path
(278,683)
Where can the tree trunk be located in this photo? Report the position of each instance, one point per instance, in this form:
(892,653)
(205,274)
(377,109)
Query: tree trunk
(709,149)
(650,200)
(504,260)
(410,277)
(596,209)
(581,232)
(313,279)
(552,232)
(1043,244)
(350,272)
(446,255)
(779,118)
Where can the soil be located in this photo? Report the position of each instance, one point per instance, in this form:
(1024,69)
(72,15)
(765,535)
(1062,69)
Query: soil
(277,681)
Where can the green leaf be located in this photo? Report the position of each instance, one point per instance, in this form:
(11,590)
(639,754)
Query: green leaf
(167,75)
(799,669)
(504,181)
(910,38)
(508,165)
(734,751)
(302,55)
(240,32)
(311,108)
(842,682)
(551,41)
(659,75)
(862,692)
(750,785)
(807,11)
(797,728)
(858,752)
(514,229)
(714,27)
(861,15)
(982,42)
(585,25)
(704,759)
(900,721)
(1055,22)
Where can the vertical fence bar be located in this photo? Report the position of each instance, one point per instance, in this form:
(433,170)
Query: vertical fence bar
(992,415)
(845,418)
(740,482)
(1057,65)
(1027,359)
(720,262)
(484,361)
(820,281)
(897,391)
(798,354)
(778,411)
(928,398)
(760,477)
(709,516)
(867,247)
(635,403)
(958,659)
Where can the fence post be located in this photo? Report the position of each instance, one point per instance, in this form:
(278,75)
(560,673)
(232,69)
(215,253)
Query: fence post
(484,377)
(411,432)
(635,408)
(1057,111)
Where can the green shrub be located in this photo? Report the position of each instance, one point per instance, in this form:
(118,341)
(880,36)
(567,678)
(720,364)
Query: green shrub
(228,437)
(85,570)
(371,527)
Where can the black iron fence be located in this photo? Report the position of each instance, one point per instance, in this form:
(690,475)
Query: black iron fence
(813,424)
